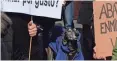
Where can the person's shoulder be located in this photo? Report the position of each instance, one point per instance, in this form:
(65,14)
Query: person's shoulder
(5,23)
(5,17)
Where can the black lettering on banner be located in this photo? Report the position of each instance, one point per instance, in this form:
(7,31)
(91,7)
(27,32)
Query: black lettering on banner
(57,3)
(112,10)
(52,3)
(36,4)
(116,25)
(41,2)
(11,0)
(109,10)
(24,1)
(45,3)
(113,25)
(110,26)
(103,11)
(112,41)
(115,8)
(27,1)
(18,1)
(15,0)
(102,26)
(107,27)
(49,3)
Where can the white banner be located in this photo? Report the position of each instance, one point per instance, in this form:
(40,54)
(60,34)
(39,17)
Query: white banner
(46,8)
(0,5)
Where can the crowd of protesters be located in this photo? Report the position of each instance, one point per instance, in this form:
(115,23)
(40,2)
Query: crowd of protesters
(49,41)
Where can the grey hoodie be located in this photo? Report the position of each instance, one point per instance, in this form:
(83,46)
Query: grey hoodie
(6,39)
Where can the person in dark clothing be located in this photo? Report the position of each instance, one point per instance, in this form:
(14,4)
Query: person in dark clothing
(21,37)
(85,18)
(47,24)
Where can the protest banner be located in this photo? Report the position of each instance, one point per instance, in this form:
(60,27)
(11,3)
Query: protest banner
(46,8)
(0,5)
(15,6)
(105,26)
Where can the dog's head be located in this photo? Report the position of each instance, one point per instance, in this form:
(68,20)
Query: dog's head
(71,35)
